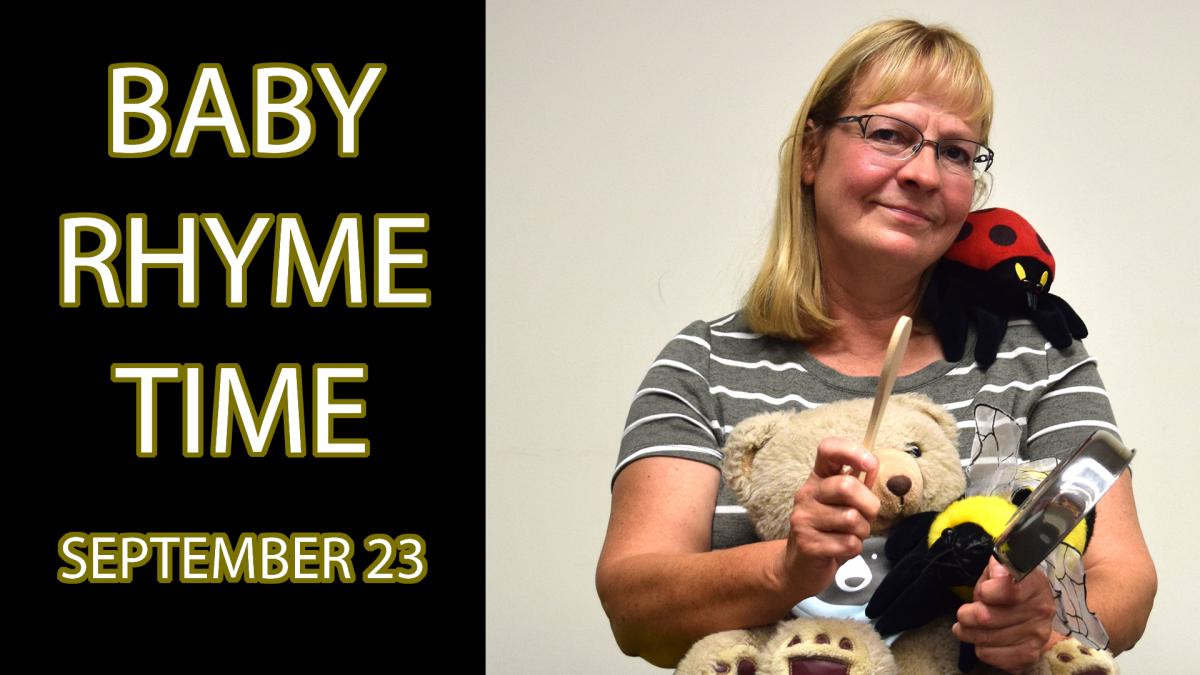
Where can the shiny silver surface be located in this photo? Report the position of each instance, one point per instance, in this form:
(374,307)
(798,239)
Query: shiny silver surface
(1062,500)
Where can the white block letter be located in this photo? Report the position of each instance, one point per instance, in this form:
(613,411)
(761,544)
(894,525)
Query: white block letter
(326,409)
(267,109)
(210,87)
(388,258)
(98,262)
(146,376)
(147,108)
(348,106)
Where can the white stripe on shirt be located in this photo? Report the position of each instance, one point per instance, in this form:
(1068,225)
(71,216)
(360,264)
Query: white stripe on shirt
(970,424)
(693,338)
(1070,425)
(1074,390)
(1023,386)
(667,392)
(1000,355)
(665,448)
(790,398)
(661,416)
(777,367)
(667,363)
(738,336)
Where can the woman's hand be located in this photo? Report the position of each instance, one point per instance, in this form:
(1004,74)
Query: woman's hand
(831,516)
(1008,622)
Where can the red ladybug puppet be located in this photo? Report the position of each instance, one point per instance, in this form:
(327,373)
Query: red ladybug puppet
(997,269)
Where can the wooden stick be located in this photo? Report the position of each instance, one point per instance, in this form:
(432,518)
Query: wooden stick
(887,378)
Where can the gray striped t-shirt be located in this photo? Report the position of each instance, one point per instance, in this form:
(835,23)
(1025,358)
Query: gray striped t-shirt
(715,374)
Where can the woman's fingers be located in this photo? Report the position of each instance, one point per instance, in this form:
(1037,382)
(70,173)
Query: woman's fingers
(818,517)
(833,510)
(1009,622)
(835,477)
(998,588)
(848,492)
(836,456)
(839,547)
(1025,631)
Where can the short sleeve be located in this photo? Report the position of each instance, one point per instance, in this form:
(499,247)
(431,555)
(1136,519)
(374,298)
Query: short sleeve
(673,411)
(1073,405)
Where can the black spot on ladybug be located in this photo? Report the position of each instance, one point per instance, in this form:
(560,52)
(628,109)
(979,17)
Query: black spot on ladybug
(965,231)
(1002,235)
(1043,245)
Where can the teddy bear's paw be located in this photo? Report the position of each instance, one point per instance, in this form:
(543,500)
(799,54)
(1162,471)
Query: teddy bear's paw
(1070,657)
(826,647)
(732,652)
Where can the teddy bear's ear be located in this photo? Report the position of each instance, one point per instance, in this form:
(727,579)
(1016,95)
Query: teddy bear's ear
(747,438)
(924,404)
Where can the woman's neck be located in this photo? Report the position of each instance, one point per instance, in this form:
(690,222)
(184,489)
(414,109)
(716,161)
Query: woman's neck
(866,314)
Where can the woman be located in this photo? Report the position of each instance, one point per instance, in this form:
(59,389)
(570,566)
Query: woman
(860,220)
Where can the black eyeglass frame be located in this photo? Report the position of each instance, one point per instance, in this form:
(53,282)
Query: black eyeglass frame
(937,145)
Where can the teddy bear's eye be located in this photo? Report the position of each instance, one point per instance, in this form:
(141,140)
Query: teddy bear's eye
(913,449)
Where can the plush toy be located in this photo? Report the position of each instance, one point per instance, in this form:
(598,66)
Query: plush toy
(794,647)
(767,458)
(998,269)
(937,558)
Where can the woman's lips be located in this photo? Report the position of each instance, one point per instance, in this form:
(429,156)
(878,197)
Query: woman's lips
(909,214)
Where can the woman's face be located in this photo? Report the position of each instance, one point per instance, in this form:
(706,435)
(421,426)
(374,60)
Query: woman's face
(881,214)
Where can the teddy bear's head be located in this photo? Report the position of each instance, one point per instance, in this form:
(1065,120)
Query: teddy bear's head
(769,456)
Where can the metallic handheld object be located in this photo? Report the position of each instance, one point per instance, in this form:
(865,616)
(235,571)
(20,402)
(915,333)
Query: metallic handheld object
(1060,502)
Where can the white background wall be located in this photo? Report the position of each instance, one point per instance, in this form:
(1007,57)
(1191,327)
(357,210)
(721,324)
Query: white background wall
(630,172)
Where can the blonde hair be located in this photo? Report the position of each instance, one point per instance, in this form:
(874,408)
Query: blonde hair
(903,57)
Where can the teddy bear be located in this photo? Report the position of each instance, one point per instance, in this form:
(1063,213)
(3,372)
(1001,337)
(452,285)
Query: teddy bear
(808,646)
(766,459)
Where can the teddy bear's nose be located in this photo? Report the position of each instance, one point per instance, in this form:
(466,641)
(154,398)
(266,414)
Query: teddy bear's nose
(899,485)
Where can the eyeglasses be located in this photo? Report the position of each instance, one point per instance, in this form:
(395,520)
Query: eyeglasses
(901,140)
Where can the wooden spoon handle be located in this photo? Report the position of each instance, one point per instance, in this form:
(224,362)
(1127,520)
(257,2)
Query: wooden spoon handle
(887,379)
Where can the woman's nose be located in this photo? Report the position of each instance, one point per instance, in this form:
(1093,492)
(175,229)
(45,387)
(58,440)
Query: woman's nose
(922,170)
